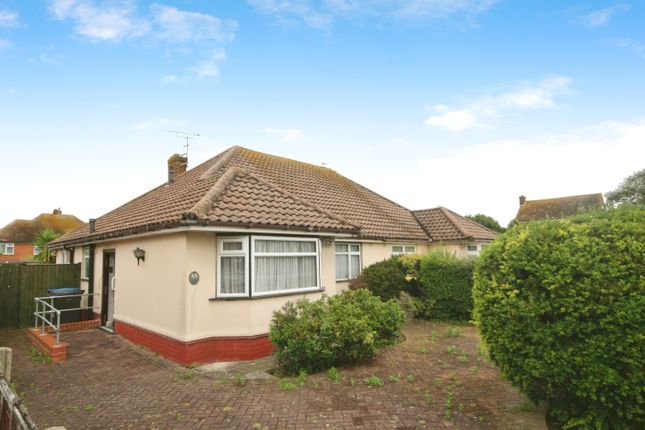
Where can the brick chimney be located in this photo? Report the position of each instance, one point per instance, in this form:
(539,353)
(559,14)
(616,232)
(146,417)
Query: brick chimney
(522,199)
(57,211)
(176,166)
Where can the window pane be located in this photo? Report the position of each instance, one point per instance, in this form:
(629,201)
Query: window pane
(232,246)
(284,273)
(410,249)
(285,246)
(342,268)
(397,248)
(354,248)
(472,248)
(341,247)
(232,275)
(356,266)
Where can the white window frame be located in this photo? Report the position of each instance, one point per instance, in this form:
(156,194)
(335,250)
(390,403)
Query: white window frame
(349,254)
(66,256)
(86,261)
(6,247)
(244,252)
(477,250)
(280,254)
(404,250)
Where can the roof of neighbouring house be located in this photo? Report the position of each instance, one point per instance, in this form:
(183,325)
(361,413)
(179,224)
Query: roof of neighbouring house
(444,225)
(560,207)
(24,231)
(245,188)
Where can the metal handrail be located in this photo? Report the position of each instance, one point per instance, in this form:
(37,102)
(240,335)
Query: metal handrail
(44,314)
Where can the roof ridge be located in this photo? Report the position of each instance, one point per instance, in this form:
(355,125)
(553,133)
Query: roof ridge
(423,227)
(203,205)
(449,214)
(300,199)
(201,208)
(223,161)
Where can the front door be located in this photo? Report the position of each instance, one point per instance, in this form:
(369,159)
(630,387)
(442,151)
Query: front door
(109,287)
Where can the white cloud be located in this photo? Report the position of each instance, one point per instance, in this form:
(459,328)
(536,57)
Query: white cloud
(322,14)
(209,67)
(478,111)
(178,26)
(456,120)
(8,19)
(632,45)
(288,135)
(488,178)
(101,21)
(443,8)
(5,44)
(600,17)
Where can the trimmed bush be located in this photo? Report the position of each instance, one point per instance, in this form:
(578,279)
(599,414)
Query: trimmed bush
(333,331)
(561,307)
(384,279)
(444,288)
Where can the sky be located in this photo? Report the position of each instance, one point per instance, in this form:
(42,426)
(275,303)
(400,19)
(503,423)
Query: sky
(464,104)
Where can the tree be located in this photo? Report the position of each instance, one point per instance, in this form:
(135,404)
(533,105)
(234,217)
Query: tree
(41,240)
(631,190)
(487,221)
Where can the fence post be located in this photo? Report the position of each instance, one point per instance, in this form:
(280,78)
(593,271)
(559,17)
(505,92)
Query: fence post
(5,364)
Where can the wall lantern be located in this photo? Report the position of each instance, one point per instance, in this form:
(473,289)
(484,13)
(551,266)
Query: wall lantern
(139,254)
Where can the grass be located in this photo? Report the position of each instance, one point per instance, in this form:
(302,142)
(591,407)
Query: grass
(334,375)
(394,378)
(373,381)
(89,408)
(452,349)
(302,378)
(239,380)
(38,357)
(286,385)
(453,332)
(187,374)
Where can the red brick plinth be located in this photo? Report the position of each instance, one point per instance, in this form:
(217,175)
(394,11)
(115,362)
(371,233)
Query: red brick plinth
(47,344)
(230,348)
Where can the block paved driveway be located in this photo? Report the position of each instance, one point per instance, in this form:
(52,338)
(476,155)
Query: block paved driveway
(431,381)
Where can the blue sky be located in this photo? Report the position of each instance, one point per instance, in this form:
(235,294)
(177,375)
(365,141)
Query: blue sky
(465,104)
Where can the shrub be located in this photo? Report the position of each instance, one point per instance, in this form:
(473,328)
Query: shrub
(561,307)
(384,279)
(343,329)
(445,288)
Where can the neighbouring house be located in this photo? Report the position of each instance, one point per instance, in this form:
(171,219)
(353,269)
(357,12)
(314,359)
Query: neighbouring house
(560,207)
(453,232)
(195,268)
(17,237)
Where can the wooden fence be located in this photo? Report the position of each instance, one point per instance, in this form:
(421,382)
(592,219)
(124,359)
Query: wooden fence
(13,415)
(20,283)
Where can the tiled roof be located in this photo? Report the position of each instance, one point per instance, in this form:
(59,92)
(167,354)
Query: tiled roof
(246,188)
(24,231)
(445,225)
(559,207)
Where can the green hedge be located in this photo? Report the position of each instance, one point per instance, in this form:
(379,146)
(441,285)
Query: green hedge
(445,287)
(561,306)
(439,283)
(385,279)
(332,331)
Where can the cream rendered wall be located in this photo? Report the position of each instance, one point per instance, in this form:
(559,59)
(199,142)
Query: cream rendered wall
(151,295)
(242,317)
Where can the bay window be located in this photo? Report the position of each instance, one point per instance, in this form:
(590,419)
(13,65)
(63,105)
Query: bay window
(263,265)
(348,261)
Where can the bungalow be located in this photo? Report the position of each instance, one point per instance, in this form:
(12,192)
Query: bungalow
(194,268)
